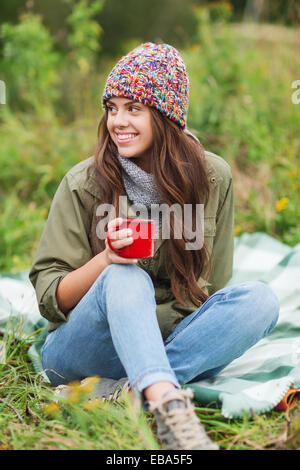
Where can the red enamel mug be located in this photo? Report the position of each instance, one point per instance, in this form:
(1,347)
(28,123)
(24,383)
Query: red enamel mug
(143,235)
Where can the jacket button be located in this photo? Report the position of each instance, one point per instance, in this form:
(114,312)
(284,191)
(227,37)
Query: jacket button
(144,262)
(213,179)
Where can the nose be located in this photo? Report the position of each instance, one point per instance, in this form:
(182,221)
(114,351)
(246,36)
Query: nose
(120,118)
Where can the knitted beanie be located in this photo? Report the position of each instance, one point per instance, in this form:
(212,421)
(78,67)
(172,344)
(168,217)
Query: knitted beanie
(154,75)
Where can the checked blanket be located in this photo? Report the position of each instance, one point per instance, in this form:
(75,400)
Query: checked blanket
(255,382)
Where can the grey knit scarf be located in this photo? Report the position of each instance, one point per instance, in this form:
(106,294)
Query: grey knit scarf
(141,190)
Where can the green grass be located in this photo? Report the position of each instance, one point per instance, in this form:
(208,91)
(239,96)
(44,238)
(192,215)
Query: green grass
(240,107)
(27,420)
(32,417)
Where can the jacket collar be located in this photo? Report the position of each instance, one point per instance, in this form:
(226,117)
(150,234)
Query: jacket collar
(90,185)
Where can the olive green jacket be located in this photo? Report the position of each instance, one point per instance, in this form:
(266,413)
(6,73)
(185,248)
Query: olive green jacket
(67,243)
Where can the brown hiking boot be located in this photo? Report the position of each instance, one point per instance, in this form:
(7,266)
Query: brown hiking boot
(178,426)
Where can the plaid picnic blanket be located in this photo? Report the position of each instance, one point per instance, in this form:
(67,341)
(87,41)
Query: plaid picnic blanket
(260,378)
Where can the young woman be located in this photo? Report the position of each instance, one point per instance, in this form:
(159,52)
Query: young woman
(162,322)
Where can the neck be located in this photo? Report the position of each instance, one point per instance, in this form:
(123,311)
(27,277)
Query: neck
(144,164)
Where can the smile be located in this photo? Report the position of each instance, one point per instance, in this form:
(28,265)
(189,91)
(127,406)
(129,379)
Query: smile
(125,138)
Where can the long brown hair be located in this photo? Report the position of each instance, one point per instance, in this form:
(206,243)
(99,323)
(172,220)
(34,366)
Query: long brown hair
(178,168)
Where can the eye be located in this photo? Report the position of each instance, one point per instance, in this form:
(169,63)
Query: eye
(110,108)
(134,109)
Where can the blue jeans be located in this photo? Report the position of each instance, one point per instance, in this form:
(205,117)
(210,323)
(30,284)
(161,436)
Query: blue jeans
(113,332)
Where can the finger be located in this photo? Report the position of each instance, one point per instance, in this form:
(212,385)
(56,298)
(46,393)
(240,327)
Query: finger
(120,243)
(114,223)
(120,234)
(120,260)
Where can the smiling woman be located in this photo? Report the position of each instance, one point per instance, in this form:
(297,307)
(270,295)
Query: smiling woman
(129,126)
(162,322)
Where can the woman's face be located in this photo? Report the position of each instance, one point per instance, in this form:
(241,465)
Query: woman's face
(129,125)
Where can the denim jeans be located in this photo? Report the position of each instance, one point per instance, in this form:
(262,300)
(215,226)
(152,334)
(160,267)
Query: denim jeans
(113,332)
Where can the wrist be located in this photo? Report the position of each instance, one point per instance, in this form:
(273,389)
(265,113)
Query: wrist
(104,257)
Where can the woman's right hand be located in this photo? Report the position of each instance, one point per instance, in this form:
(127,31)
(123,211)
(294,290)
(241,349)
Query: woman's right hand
(118,239)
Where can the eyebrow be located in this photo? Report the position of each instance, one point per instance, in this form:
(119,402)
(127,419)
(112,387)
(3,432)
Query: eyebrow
(125,104)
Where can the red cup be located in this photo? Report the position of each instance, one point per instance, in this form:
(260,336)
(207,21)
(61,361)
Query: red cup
(143,235)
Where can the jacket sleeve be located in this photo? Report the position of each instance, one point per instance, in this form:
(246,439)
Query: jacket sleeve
(223,247)
(64,246)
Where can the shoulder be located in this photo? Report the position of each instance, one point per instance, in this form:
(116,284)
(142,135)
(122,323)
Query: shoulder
(218,169)
(77,175)
(82,179)
(220,180)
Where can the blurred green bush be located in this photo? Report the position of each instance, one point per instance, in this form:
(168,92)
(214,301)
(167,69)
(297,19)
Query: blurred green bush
(29,63)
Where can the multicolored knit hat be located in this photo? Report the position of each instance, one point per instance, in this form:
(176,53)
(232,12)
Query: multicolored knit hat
(154,75)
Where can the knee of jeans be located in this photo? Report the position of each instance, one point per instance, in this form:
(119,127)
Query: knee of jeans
(265,302)
(126,275)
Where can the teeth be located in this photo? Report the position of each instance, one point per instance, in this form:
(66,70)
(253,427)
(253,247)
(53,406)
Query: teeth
(125,136)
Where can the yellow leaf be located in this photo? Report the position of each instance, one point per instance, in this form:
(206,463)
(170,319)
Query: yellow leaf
(92,404)
(44,212)
(89,383)
(51,408)
(237,230)
(293,174)
(281,204)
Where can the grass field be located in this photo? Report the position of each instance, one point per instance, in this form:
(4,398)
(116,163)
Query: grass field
(241,108)
(33,418)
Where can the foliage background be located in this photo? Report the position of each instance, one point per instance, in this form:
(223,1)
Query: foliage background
(242,58)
